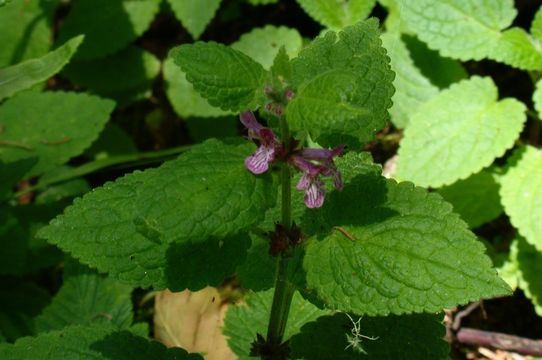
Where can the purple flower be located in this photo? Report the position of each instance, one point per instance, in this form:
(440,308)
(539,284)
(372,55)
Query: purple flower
(310,180)
(258,162)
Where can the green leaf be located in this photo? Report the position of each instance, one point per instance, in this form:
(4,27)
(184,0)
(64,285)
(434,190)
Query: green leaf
(227,78)
(26,74)
(352,78)
(537,97)
(184,99)
(11,173)
(124,76)
(87,298)
(476,198)
(144,226)
(460,29)
(411,88)
(113,141)
(96,18)
(26,33)
(458,133)
(20,302)
(395,249)
(54,126)
(521,195)
(245,320)
(528,262)
(91,342)
(262,2)
(518,49)
(263,44)
(417,336)
(195,15)
(257,273)
(536,25)
(337,14)
(65,190)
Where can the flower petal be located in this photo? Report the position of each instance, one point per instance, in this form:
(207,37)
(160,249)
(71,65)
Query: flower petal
(304,182)
(249,120)
(315,194)
(258,163)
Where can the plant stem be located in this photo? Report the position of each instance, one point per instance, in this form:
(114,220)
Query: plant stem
(93,166)
(284,290)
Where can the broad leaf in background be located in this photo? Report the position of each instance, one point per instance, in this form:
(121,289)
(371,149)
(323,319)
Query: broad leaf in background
(411,88)
(195,15)
(26,74)
(262,2)
(125,76)
(460,29)
(113,141)
(537,97)
(30,18)
(54,126)
(87,298)
(11,173)
(91,342)
(394,242)
(476,198)
(518,49)
(416,336)
(20,302)
(536,25)
(458,133)
(184,99)
(245,320)
(263,44)
(521,194)
(143,227)
(344,84)
(227,78)
(337,14)
(96,19)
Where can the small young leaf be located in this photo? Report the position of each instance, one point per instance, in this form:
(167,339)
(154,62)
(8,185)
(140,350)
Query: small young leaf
(521,194)
(536,25)
(140,227)
(537,97)
(96,18)
(528,262)
(124,76)
(30,18)
(476,198)
(26,74)
(438,150)
(263,44)
(195,15)
(186,101)
(351,76)
(460,29)
(411,88)
(395,249)
(337,14)
(54,126)
(91,342)
(244,321)
(87,298)
(416,336)
(227,78)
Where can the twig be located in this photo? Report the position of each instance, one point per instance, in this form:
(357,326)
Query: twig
(500,341)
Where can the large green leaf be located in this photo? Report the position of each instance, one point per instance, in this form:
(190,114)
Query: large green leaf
(417,336)
(394,248)
(123,76)
(476,198)
(336,14)
(458,133)
(87,298)
(411,88)
(244,321)
(53,126)
(195,15)
(344,85)
(96,19)
(263,44)
(26,74)
(91,342)
(521,194)
(518,49)
(26,32)
(227,78)
(461,29)
(151,227)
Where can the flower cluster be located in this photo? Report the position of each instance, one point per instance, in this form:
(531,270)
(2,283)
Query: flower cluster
(313,163)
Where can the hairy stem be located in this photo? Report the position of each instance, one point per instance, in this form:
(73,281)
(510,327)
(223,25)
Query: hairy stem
(284,290)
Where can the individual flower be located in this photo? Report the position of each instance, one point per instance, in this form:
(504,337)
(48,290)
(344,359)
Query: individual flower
(310,181)
(258,162)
